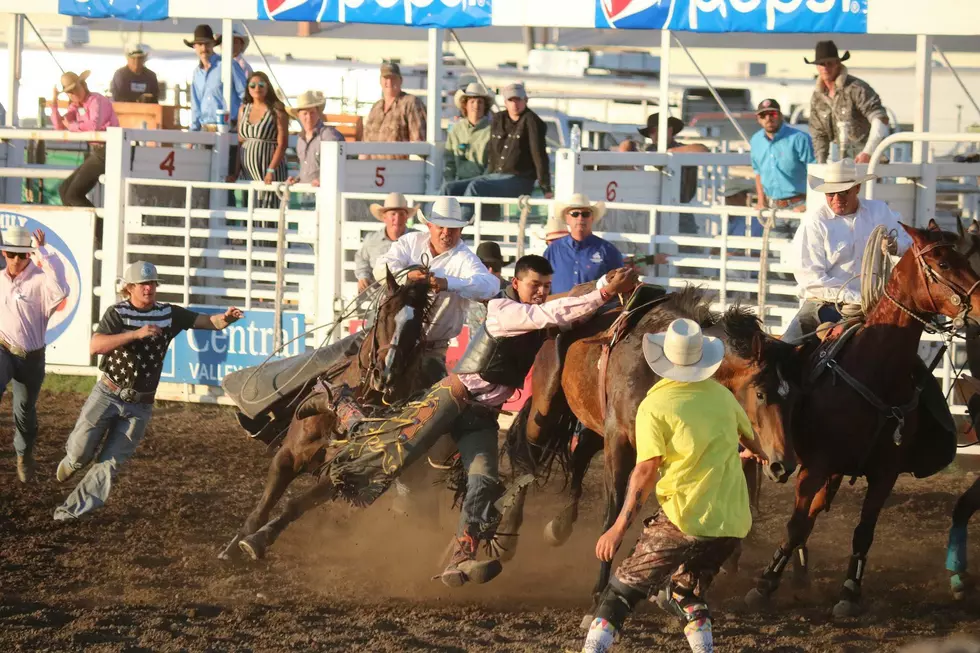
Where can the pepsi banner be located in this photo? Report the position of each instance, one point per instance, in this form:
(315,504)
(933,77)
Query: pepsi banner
(122,9)
(415,13)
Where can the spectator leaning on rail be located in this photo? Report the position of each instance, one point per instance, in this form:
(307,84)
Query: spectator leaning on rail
(309,112)
(394,213)
(780,155)
(87,112)
(469,137)
(132,338)
(581,256)
(687,223)
(31,289)
(845,107)
(134,82)
(397,116)
(207,91)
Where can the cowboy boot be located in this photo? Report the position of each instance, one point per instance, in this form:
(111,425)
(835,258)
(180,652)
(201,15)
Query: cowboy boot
(464,567)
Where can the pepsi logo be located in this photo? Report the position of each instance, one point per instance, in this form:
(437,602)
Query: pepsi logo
(616,10)
(274,8)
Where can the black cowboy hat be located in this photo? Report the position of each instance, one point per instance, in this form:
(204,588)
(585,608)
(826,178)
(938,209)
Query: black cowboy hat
(203,34)
(827,51)
(489,253)
(653,121)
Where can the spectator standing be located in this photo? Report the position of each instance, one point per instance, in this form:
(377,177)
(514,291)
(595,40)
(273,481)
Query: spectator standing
(394,213)
(207,91)
(263,132)
(32,285)
(843,107)
(687,223)
(134,82)
(239,43)
(468,140)
(309,112)
(397,116)
(581,256)
(87,112)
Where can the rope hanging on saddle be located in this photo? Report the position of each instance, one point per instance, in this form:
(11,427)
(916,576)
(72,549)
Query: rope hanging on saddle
(524,205)
(768,222)
(876,268)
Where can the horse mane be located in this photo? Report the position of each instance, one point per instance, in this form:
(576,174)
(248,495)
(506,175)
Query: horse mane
(741,326)
(778,361)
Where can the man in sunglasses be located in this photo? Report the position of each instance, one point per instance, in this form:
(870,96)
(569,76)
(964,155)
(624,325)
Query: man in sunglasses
(31,289)
(581,256)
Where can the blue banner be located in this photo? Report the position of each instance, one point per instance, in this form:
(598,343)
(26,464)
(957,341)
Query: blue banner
(756,16)
(122,9)
(205,357)
(416,13)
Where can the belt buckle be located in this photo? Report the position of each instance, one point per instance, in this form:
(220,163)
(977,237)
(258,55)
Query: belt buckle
(129,395)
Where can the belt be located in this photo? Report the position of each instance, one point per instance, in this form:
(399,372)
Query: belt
(789,201)
(128,395)
(20,352)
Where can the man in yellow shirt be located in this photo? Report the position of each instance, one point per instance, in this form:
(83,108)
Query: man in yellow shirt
(688,427)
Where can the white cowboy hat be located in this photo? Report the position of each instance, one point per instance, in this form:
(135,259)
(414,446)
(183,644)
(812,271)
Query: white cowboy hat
(308,100)
(683,353)
(553,230)
(446,212)
(473,89)
(17,239)
(393,201)
(580,201)
(838,176)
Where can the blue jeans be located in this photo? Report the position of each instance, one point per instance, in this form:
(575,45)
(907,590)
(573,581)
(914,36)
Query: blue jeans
(736,227)
(495,184)
(122,426)
(26,375)
(475,435)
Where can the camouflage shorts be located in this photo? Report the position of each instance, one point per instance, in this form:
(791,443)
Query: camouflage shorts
(663,553)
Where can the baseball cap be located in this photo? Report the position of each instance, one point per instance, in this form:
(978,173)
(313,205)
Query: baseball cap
(767,105)
(391,70)
(514,90)
(140,272)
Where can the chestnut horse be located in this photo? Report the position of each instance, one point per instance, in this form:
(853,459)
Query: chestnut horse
(564,392)
(387,365)
(859,413)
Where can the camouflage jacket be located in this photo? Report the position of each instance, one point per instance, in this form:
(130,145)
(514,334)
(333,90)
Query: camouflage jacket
(855,103)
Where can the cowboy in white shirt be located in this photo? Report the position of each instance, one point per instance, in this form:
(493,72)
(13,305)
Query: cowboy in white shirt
(454,270)
(829,247)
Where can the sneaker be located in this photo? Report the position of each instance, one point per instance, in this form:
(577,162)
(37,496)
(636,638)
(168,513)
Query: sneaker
(65,470)
(25,468)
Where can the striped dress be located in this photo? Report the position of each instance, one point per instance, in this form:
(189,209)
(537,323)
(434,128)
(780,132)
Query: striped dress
(258,147)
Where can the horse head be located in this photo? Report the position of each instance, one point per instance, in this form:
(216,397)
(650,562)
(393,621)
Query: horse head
(763,373)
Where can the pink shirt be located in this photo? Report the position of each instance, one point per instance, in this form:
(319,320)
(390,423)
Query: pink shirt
(506,318)
(28,300)
(94,115)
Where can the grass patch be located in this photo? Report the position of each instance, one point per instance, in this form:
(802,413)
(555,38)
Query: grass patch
(68,383)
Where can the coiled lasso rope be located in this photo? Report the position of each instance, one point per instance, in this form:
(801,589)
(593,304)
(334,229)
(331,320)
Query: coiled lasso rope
(876,267)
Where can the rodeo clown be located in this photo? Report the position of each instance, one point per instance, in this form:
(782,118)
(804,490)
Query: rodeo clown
(132,338)
(465,404)
(688,428)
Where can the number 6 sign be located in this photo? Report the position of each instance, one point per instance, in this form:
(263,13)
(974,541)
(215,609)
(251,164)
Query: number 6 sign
(611,191)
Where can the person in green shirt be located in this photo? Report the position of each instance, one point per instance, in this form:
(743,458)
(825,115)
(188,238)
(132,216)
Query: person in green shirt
(688,428)
(468,140)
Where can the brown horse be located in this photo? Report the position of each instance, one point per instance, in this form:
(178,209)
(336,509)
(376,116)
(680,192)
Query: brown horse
(859,414)
(387,365)
(564,392)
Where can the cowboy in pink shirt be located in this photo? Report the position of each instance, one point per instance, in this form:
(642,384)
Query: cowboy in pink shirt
(87,112)
(31,289)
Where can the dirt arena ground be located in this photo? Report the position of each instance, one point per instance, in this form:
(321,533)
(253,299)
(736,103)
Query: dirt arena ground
(142,575)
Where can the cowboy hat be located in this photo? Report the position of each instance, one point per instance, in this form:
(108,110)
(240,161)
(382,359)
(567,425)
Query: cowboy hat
(203,34)
(553,230)
(308,100)
(393,201)
(238,33)
(653,122)
(838,176)
(580,201)
(473,89)
(446,212)
(489,253)
(827,51)
(683,353)
(17,239)
(140,51)
(70,80)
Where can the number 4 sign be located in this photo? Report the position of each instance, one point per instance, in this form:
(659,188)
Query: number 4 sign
(167,164)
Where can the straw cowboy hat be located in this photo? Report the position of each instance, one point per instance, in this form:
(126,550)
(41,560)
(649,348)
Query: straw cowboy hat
(473,89)
(308,100)
(553,230)
(580,201)
(70,80)
(838,176)
(138,51)
(683,353)
(17,239)
(827,51)
(203,34)
(446,212)
(393,201)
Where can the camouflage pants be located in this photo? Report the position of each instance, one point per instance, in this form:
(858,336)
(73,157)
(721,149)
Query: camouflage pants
(664,554)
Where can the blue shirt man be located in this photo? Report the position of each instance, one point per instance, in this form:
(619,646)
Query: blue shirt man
(581,256)
(207,93)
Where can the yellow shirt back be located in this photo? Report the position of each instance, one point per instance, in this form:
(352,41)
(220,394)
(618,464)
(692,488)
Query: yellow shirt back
(694,429)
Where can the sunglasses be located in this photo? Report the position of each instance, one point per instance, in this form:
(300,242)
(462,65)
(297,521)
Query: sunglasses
(841,193)
(256,84)
(13,255)
(768,114)
(580,214)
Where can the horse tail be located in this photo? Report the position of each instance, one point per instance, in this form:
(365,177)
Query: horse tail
(538,458)
(516,447)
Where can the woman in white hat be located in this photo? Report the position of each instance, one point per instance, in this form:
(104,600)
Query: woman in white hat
(308,110)
(581,256)
(394,213)
(468,140)
(87,112)
(688,429)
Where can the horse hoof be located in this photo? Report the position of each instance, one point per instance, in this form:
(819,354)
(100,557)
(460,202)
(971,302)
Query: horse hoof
(845,609)
(756,600)
(507,547)
(252,548)
(961,586)
(557,531)
(231,552)
(587,621)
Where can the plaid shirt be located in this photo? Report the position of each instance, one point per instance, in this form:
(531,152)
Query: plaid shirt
(855,103)
(403,122)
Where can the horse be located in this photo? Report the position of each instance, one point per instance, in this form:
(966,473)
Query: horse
(859,413)
(565,391)
(387,366)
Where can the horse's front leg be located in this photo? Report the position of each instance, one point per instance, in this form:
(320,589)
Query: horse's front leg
(558,530)
(956,559)
(879,487)
(256,544)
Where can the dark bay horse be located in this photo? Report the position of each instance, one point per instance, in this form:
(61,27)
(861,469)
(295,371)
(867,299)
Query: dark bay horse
(387,365)
(861,415)
(566,391)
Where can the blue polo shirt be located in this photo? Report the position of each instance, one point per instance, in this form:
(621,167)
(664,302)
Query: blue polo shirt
(781,162)
(578,262)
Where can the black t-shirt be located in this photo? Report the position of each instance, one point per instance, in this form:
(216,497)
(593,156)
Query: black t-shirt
(128,86)
(138,364)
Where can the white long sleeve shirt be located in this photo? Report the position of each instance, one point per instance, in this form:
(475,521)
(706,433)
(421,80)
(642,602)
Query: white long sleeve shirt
(466,276)
(829,250)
